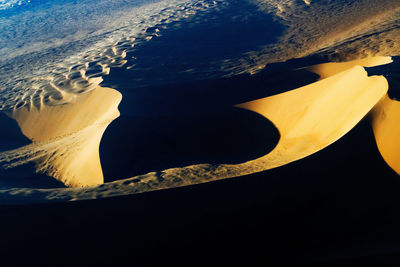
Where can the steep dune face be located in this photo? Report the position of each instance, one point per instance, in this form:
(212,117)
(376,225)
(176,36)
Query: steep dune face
(308,119)
(312,117)
(53,58)
(385,123)
(66,138)
(385,114)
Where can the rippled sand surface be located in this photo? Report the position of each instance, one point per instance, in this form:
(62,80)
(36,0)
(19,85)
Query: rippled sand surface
(187,59)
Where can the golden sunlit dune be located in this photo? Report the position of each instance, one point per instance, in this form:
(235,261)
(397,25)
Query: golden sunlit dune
(308,118)
(313,117)
(385,123)
(385,115)
(67,137)
(152,130)
(328,69)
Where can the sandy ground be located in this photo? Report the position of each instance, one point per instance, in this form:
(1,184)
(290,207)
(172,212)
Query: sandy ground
(306,212)
(327,135)
(307,119)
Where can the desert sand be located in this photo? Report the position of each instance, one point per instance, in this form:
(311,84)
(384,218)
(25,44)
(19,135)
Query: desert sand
(236,132)
(313,117)
(384,115)
(308,119)
(66,138)
(385,122)
(328,69)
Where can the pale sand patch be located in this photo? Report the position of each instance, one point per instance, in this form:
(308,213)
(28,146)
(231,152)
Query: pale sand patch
(329,69)
(386,126)
(66,138)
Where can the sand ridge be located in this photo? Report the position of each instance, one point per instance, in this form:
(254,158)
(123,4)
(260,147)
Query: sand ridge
(326,70)
(385,123)
(328,30)
(312,117)
(308,119)
(66,138)
(83,71)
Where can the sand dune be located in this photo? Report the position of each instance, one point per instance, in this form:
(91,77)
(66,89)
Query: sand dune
(384,115)
(328,69)
(385,123)
(66,138)
(308,119)
(312,117)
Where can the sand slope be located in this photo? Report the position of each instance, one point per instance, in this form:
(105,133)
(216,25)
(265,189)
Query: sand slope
(385,123)
(308,118)
(67,138)
(384,116)
(312,117)
(329,69)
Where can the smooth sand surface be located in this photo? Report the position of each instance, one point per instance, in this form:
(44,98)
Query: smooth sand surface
(66,138)
(385,115)
(328,69)
(312,117)
(385,123)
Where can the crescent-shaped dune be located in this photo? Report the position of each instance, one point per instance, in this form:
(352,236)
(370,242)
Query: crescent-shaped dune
(314,116)
(66,138)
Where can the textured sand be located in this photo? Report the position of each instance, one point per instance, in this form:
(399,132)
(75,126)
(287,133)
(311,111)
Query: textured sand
(308,119)
(66,138)
(312,117)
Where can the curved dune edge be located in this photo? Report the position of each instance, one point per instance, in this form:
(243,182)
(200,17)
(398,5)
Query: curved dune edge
(309,118)
(66,138)
(313,117)
(326,70)
(384,116)
(385,123)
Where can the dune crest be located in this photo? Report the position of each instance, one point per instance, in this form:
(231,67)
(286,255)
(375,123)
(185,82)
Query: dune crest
(308,118)
(66,138)
(314,116)
(385,123)
(329,69)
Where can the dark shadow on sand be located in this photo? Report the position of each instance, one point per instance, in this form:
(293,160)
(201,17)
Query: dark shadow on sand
(208,96)
(392,74)
(338,207)
(177,125)
(193,48)
(137,145)
(23,176)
